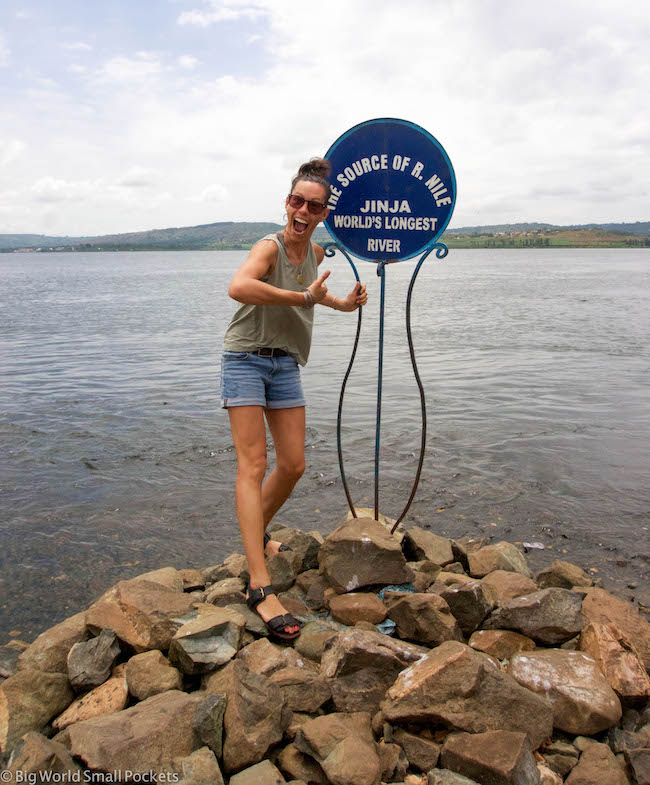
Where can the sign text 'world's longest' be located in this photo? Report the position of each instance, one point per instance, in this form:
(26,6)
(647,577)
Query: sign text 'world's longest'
(393,190)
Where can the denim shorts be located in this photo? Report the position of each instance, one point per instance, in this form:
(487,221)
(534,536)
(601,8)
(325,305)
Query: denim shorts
(250,380)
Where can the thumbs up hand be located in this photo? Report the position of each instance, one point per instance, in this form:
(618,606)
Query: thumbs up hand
(318,289)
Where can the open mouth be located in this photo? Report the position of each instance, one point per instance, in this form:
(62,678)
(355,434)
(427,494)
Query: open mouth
(299,226)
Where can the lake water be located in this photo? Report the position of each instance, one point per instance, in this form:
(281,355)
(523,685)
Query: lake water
(116,457)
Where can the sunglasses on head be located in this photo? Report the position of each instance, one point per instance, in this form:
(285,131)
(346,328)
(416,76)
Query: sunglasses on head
(314,207)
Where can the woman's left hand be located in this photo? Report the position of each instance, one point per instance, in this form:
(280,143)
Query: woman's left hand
(356,298)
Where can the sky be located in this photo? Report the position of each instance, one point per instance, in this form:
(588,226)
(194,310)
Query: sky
(126,116)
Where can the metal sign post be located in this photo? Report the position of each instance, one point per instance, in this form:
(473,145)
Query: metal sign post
(393,194)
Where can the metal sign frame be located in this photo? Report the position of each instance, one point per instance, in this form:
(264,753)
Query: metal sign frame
(430,245)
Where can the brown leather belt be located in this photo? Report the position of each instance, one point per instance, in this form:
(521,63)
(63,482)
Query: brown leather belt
(267,351)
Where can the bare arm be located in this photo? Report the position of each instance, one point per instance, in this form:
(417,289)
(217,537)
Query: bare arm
(246,286)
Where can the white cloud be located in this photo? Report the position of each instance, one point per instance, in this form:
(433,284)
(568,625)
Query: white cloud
(212,193)
(129,69)
(78,46)
(75,68)
(188,62)
(221,12)
(10,150)
(137,177)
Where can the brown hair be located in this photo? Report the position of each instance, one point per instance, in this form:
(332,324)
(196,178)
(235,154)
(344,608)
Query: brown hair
(315,171)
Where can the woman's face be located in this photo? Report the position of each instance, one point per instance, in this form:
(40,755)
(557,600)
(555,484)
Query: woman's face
(301,222)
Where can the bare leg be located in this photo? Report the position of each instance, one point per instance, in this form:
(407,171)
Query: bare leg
(288,430)
(249,438)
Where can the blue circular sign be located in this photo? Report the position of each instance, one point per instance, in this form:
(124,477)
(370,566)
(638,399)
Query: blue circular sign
(393,190)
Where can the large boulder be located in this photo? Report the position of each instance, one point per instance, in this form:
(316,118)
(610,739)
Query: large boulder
(297,677)
(550,616)
(597,764)
(506,586)
(141,612)
(109,697)
(147,737)
(28,701)
(49,651)
(618,659)
(501,644)
(90,662)
(204,643)
(343,745)
(36,755)
(420,544)
(256,715)
(360,665)
(563,575)
(424,618)
(500,556)
(458,687)
(151,673)
(361,552)
(493,758)
(470,603)
(602,607)
(583,702)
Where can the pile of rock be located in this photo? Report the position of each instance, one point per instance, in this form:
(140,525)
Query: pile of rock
(422,660)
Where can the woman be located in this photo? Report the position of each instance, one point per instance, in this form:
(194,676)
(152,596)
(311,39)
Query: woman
(268,338)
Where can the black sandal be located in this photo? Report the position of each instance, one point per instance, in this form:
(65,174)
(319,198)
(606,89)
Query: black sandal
(283,547)
(277,624)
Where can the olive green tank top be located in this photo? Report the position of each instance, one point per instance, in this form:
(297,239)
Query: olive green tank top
(285,327)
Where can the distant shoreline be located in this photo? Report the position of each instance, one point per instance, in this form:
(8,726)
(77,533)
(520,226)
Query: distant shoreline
(230,236)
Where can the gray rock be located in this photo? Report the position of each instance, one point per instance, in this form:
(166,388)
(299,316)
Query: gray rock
(550,616)
(9,654)
(208,722)
(639,762)
(256,715)
(447,777)
(90,662)
(314,637)
(425,618)
(207,642)
(421,753)
(226,592)
(360,665)
(470,603)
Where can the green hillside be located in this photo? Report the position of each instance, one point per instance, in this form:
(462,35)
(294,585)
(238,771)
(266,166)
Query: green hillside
(229,235)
